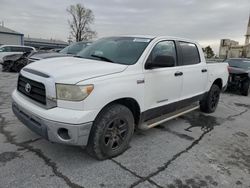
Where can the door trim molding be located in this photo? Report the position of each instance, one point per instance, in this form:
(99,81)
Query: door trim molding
(166,109)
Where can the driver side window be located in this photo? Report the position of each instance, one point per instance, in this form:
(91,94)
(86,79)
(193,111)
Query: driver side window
(163,49)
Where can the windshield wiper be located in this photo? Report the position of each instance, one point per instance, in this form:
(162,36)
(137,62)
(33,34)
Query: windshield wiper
(77,56)
(102,58)
(235,66)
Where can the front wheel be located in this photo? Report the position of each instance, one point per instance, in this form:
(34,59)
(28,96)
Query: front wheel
(210,101)
(111,132)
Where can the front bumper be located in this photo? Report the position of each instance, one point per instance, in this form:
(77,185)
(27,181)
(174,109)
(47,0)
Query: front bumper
(65,133)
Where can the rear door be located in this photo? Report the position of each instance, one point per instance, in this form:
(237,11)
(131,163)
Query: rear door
(194,70)
(162,85)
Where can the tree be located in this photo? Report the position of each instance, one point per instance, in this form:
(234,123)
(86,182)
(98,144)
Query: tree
(80,23)
(208,52)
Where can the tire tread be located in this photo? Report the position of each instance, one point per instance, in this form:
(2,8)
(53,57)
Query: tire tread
(93,147)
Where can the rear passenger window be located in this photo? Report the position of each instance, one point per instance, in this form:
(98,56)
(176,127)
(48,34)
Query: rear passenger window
(16,49)
(190,53)
(6,49)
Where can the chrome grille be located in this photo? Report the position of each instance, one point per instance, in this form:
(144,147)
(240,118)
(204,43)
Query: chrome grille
(37,90)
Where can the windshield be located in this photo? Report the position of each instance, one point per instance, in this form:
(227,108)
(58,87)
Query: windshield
(121,50)
(239,64)
(74,48)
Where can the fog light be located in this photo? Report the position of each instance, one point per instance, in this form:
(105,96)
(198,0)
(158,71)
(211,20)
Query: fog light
(63,133)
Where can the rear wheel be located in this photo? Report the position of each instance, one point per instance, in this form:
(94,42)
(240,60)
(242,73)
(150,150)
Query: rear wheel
(209,103)
(245,88)
(111,132)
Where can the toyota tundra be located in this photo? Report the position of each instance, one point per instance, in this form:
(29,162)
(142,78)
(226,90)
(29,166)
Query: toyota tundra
(115,86)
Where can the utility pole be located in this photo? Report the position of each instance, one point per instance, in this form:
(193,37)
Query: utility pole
(248,33)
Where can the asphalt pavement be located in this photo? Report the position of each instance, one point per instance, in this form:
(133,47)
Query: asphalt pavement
(194,150)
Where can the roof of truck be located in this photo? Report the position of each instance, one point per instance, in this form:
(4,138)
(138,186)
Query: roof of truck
(158,37)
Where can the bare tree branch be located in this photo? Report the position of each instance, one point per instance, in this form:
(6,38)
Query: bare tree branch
(80,22)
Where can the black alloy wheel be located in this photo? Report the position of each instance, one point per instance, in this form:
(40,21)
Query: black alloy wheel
(111,132)
(210,101)
(115,134)
(215,97)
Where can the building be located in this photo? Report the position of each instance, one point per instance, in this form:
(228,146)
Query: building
(232,49)
(10,37)
(44,43)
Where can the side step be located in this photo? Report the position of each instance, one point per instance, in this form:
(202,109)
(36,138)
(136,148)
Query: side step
(159,120)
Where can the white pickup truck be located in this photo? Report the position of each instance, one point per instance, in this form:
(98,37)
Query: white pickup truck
(114,86)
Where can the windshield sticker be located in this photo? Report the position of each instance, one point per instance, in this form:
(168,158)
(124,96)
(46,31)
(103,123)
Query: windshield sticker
(141,40)
(98,52)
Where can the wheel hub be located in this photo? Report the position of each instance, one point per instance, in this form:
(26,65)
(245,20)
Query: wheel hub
(115,134)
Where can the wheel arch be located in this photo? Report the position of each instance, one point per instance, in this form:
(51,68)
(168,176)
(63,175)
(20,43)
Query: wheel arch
(218,82)
(130,103)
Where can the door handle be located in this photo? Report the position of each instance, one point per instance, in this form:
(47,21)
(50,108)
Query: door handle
(204,70)
(178,73)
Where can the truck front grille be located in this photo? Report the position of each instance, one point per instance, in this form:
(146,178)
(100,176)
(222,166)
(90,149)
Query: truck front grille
(32,89)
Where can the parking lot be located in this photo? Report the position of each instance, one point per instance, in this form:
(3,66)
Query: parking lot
(195,150)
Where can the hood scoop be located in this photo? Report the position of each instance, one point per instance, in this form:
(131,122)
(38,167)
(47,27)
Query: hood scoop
(36,72)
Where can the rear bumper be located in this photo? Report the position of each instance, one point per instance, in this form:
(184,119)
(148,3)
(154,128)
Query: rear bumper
(65,133)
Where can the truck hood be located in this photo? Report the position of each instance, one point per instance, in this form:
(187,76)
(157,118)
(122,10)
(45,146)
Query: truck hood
(236,70)
(71,70)
(45,55)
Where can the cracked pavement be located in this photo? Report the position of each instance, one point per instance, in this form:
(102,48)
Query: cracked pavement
(194,150)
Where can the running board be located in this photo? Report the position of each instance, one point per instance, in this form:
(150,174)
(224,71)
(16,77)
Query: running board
(162,119)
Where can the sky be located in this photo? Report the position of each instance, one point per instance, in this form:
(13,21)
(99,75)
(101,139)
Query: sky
(206,21)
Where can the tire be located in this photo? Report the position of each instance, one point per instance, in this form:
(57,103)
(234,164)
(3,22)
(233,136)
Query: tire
(111,132)
(19,67)
(210,101)
(245,88)
(5,67)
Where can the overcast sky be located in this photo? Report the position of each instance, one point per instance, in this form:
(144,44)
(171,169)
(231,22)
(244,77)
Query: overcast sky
(204,20)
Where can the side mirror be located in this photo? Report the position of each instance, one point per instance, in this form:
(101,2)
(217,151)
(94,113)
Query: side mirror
(161,61)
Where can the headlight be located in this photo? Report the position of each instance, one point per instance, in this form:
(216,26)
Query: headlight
(73,92)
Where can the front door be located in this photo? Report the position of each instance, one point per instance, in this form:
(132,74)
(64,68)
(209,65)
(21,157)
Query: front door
(163,85)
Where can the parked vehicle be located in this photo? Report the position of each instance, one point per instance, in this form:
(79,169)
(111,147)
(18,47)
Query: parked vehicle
(14,49)
(116,85)
(239,77)
(15,62)
(56,50)
(70,50)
